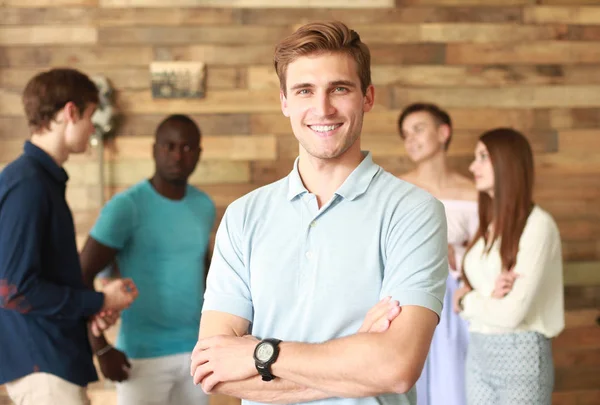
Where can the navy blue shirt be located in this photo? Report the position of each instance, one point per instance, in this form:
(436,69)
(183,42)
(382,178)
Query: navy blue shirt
(44,304)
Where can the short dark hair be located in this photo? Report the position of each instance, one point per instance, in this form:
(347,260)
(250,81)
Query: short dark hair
(48,92)
(440,116)
(181,120)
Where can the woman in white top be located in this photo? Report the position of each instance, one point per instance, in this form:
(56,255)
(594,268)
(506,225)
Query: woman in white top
(427,131)
(513,294)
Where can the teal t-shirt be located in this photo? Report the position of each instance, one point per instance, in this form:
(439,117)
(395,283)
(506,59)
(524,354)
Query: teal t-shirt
(162,245)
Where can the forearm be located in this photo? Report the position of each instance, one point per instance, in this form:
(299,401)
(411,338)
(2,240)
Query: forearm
(354,366)
(277,391)
(96,342)
(498,312)
(42,298)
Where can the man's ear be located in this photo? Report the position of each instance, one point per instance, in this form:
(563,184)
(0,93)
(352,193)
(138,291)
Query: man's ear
(71,112)
(284,106)
(444,133)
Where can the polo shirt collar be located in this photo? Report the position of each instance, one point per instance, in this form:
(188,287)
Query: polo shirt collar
(355,185)
(43,159)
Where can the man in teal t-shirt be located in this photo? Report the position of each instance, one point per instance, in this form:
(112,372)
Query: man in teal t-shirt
(158,232)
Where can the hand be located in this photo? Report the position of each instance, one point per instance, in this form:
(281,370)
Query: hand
(504,283)
(102,321)
(458,295)
(451,257)
(114,365)
(119,294)
(223,358)
(379,318)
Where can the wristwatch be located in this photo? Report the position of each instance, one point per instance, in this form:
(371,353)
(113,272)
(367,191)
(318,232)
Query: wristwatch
(265,354)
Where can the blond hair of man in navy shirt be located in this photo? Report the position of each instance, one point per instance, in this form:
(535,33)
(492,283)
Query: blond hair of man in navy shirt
(299,262)
(45,355)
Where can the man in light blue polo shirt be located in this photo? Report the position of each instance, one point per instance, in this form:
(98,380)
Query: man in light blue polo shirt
(299,262)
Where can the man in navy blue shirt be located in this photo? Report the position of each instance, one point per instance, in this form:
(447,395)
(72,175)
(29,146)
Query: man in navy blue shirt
(45,308)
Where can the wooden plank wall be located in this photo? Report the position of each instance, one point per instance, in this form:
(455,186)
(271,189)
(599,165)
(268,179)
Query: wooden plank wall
(532,65)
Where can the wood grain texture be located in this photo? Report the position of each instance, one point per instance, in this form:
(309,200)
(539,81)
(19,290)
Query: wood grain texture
(223,148)
(533,65)
(75,56)
(127,78)
(114,17)
(399,15)
(526,53)
(249,3)
(48,35)
(48,3)
(562,15)
(221,35)
(505,97)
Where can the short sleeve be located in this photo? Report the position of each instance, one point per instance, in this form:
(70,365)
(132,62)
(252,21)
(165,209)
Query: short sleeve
(116,222)
(416,266)
(228,281)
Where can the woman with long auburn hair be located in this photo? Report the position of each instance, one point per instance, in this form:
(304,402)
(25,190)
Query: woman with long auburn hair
(513,292)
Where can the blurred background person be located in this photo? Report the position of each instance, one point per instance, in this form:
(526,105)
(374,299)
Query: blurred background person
(513,297)
(427,131)
(158,231)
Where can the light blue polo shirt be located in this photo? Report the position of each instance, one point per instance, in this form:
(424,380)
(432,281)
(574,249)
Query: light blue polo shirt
(162,246)
(300,273)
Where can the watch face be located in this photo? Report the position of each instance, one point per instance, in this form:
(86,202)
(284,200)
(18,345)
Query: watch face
(264,352)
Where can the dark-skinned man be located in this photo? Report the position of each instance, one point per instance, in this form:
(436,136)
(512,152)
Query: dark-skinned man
(158,232)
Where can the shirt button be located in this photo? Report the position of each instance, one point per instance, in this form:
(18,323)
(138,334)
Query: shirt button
(313,224)
(309,255)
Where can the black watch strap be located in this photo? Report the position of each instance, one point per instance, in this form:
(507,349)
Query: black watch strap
(264,367)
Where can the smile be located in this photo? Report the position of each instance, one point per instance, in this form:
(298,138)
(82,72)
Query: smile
(324,129)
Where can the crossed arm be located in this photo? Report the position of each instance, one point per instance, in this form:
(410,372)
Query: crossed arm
(363,364)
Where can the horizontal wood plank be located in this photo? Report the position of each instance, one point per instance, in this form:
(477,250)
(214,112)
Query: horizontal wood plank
(584,33)
(505,97)
(75,56)
(48,3)
(457,33)
(578,141)
(582,273)
(575,118)
(127,78)
(408,54)
(561,15)
(129,172)
(217,54)
(398,15)
(582,297)
(573,379)
(114,17)
(221,35)
(48,35)
(581,250)
(487,3)
(576,397)
(224,147)
(541,52)
(249,3)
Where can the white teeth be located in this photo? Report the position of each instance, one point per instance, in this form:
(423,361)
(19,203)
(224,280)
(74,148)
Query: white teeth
(324,128)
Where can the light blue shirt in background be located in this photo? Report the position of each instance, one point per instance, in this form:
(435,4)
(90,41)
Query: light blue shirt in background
(300,273)
(162,246)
